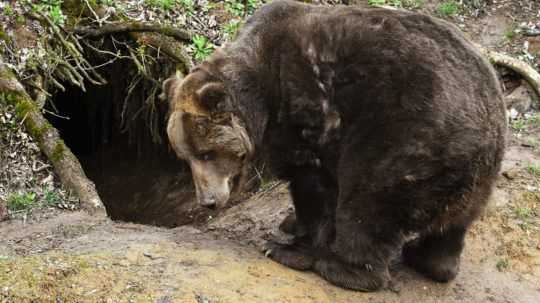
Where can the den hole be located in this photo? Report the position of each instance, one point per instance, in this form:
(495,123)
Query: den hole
(136,174)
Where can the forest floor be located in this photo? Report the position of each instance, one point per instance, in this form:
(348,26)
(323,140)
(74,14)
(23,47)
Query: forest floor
(50,254)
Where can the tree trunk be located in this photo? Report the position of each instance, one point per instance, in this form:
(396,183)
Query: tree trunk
(65,164)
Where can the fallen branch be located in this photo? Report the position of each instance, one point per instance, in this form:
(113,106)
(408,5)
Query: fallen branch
(66,165)
(520,67)
(133,26)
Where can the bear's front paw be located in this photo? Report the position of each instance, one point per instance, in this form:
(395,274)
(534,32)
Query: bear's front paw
(289,255)
(364,277)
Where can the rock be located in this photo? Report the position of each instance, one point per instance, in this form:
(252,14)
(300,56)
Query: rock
(522,99)
(510,174)
(3,211)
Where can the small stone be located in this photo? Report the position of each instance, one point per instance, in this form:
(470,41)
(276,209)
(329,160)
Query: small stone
(510,174)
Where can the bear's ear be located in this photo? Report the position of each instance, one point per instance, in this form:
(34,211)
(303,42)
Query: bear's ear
(170,85)
(214,96)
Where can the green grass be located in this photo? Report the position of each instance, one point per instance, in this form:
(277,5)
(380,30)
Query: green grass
(523,212)
(202,47)
(21,201)
(534,169)
(448,9)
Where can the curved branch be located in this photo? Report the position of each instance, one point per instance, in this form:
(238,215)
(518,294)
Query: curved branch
(520,67)
(66,165)
(133,26)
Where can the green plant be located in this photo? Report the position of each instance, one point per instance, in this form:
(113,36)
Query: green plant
(188,5)
(231,28)
(502,264)
(252,5)
(376,2)
(21,201)
(518,125)
(8,10)
(413,4)
(53,9)
(510,32)
(535,119)
(57,17)
(202,47)
(20,19)
(534,169)
(523,212)
(234,7)
(51,197)
(209,6)
(166,5)
(448,9)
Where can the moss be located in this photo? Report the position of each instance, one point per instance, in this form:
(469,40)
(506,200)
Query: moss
(4,36)
(75,9)
(6,74)
(58,152)
(23,107)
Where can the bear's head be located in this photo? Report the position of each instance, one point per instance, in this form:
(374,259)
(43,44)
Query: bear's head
(204,131)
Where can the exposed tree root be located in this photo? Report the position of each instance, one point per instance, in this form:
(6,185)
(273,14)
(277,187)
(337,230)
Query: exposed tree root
(133,26)
(169,48)
(520,67)
(66,165)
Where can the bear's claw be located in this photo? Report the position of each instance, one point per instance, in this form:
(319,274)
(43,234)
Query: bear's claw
(289,255)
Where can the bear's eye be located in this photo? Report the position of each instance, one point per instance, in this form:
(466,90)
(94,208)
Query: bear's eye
(206,156)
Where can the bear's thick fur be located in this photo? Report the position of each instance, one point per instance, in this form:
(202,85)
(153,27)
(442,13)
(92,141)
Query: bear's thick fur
(388,124)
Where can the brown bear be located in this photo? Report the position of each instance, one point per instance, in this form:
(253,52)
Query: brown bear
(388,124)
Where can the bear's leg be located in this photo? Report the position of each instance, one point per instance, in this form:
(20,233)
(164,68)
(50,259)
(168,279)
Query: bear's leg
(314,197)
(363,247)
(436,255)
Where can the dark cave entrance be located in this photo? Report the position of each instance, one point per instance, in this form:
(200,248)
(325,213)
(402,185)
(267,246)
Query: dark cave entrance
(138,178)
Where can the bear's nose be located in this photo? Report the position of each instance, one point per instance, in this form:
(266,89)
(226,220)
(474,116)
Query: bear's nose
(209,202)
